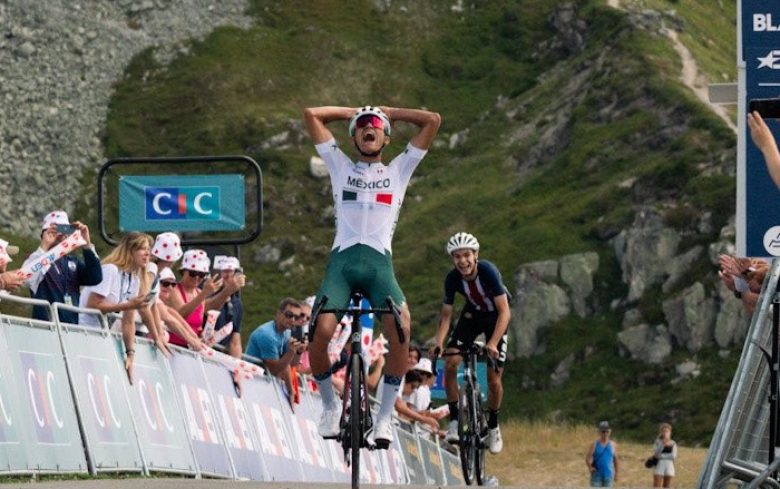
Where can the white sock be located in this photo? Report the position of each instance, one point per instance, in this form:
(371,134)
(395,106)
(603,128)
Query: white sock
(326,391)
(389,394)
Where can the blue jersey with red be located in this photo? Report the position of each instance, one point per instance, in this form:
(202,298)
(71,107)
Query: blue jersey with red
(480,292)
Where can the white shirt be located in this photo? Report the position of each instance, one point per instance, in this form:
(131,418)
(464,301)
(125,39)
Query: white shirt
(117,286)
(421,398)
(367,196)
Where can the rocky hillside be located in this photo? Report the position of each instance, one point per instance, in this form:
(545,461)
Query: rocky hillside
(593,176)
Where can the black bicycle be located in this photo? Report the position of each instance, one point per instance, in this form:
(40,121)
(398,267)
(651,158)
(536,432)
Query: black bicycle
(356,422)
(472,424)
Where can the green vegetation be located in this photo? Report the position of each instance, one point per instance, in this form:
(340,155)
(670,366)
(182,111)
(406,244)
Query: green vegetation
(550,136)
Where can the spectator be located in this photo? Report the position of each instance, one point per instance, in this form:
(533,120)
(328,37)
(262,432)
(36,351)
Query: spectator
(124,288)
(665,450)
(195,292)
(9,281)
(232,310)
(170,318)
(273,343)
(413,358)
(744,277)
(765,141)
(300,332)
(602,458)
(421,399)
(165,252)
(411,382)
(60,281)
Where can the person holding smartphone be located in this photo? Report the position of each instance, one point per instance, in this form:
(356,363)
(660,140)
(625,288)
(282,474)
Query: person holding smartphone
(124,289)
(765,141)
(61,280)
(232,309)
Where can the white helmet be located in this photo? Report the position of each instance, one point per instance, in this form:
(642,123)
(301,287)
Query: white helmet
(460,241)
(369,110)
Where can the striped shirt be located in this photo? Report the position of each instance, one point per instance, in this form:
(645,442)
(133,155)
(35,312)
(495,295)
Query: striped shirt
(480,292)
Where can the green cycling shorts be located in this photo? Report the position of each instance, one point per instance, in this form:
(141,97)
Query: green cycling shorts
(359,267)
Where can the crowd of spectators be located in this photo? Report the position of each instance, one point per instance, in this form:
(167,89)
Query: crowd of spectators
(151,287)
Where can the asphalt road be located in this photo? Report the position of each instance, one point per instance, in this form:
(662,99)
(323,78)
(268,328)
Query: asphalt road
(176,483)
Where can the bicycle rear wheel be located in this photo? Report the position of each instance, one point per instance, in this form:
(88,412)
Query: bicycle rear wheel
(467,438)
(355,417)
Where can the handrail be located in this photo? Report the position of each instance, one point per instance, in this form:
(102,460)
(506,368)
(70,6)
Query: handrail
(81,310)
(746,473)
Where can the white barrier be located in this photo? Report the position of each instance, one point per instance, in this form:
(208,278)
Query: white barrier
(66,406)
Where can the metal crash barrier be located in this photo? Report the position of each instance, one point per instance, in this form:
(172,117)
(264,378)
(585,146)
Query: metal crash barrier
(745,443)
(67,406)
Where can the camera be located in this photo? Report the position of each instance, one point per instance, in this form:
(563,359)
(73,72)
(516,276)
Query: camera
(769,108)
(66,228)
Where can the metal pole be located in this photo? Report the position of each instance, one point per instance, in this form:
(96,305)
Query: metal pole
(773,390)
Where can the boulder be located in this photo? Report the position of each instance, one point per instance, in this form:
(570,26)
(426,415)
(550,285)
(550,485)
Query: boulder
(649,344)
(678,267)
(536,305)
(732,322)
(691,317)
(577,274)
(562,371)
(643,252)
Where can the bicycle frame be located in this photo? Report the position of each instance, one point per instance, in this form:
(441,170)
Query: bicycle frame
(353,429)
(472,425)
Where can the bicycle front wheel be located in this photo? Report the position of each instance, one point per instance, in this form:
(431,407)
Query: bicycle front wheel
(468,439)
(481,429)
(356,417)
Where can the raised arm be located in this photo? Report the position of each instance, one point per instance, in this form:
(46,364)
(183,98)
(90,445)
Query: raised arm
(427,121)
(765,141)
(316,119)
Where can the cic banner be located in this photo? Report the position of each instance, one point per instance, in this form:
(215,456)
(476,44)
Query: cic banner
(99,385)
(181,203)
(47,413)
(161,430)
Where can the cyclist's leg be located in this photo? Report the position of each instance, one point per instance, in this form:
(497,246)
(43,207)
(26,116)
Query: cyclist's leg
(495,385)
(383,284)
(337,289)
(462,336)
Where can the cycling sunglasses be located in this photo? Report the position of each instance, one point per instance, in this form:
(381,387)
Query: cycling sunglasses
(370,120)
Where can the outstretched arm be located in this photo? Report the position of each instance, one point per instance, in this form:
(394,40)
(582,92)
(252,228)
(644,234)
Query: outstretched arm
(427,121)
(317,117)
(765,141)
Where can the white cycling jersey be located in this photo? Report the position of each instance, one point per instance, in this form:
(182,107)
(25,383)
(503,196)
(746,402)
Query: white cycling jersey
(367,196)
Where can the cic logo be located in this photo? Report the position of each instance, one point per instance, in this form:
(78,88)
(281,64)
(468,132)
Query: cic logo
(182,203)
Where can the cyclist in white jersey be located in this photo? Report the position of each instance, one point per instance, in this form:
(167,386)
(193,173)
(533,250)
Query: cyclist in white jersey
(367,197)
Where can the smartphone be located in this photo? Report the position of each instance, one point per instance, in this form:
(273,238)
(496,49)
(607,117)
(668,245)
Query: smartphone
(769,108)
(66,228)
(297,333)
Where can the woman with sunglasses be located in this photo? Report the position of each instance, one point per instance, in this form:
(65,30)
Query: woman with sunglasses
(170,318)
(165,252)
(195,293)
(367,197)
(124,289)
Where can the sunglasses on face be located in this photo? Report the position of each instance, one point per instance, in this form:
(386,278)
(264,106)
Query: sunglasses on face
(370,120)
(197,274)
(167,284)
(291,315)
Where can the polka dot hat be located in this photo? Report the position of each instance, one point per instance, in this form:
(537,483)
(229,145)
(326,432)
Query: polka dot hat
(196,260)
(167,247)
